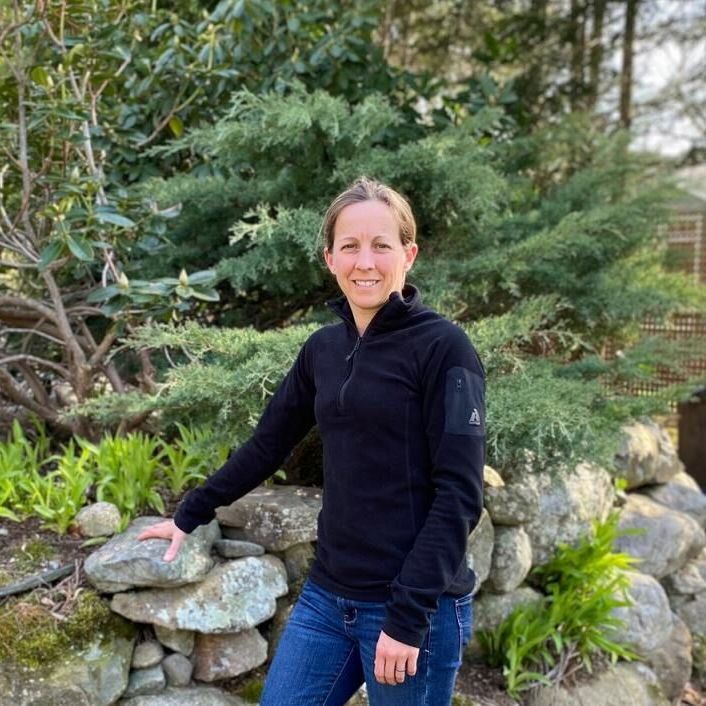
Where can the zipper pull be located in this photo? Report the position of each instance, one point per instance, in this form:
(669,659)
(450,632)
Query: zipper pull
(355,348)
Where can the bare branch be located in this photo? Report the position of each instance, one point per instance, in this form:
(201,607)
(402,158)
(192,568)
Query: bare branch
(34,332)
(95,96)
(103,348)
(10,389)
(148,372)
(62,321)
(19,303)
(23,149)
(111,372)
(53,37)
(35,384)
(84,310)
(163,123)
(26,358)
(16,265)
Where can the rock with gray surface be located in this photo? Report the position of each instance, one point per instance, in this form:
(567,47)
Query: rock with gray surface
(178,640)
(177,669)
(145,681)
(234,549)
(297,560)
(228,655)
(625,684)
(234,596)
(479,551)
(648,621)
(490,609)
(93,676)
(147,654)
(647,455)
(98,519)
(192,695)
(682,493)
(693,612)
(671,661)
(569,502)
(514,503)
(276,517)
(688,580)
(126,562)
(668,538)
(512,559)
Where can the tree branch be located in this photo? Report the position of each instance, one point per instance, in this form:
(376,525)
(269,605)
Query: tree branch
(19,303)
(26,358)
(13,393)
(23,149)
(34,332)
(162,123)
(103,347)
(35,383)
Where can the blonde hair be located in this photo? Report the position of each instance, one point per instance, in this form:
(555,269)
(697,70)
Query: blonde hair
(365,189)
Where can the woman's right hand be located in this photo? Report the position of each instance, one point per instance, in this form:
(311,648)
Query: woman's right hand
(165,530)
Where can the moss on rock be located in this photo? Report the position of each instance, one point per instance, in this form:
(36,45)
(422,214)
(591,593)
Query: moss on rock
(30,635)
(251,690)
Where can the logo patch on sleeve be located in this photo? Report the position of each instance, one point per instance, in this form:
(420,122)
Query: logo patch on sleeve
(464,405)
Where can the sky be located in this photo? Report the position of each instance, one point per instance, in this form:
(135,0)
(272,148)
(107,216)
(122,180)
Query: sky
(660,68)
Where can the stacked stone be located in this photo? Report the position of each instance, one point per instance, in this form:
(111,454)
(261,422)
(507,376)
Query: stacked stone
(533,512)
(217,610)
(209,607)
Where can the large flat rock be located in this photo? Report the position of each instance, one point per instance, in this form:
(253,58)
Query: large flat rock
(126,562)
(568,504)
(276,517)
(647,455)
(667,538)
(234,596)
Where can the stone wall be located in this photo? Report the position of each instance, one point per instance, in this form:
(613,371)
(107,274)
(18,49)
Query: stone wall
(216,611)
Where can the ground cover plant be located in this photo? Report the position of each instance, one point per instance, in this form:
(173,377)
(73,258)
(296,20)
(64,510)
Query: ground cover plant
(571,625)
(135,472)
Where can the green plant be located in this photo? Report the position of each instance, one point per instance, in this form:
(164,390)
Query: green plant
(190,458)
(543,641)
(127,472)
(20,463)
(58,496)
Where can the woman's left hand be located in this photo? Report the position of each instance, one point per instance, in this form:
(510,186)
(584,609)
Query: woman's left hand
(394,660)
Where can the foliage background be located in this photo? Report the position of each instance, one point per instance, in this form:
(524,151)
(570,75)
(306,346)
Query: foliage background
(168,167)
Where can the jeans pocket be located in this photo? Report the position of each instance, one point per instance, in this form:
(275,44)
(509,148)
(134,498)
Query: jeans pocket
(464,620)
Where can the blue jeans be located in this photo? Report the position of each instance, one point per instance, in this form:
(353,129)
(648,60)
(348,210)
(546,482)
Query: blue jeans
(327,651)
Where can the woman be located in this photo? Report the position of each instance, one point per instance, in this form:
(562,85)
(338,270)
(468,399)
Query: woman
(397,392)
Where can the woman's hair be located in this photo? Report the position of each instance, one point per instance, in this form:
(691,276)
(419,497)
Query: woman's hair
(364,189)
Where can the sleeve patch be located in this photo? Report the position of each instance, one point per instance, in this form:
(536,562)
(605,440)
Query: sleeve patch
(463,404)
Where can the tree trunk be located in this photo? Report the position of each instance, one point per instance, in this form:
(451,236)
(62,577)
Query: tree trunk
(577,38)
(626,73)
(535,75)
(595,53)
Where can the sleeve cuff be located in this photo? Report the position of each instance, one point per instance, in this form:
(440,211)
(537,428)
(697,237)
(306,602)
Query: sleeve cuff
(413,638)
(188,523)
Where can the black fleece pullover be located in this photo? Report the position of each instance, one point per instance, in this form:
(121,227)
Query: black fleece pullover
(401,414)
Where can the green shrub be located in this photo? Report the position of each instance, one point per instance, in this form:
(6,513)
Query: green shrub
(540,642)
(190,458)
(58,496)
(126,472)
(132,472)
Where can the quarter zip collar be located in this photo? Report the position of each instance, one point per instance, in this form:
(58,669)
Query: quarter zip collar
(392,315)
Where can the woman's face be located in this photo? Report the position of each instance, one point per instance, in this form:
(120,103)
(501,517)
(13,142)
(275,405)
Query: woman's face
(367,257)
